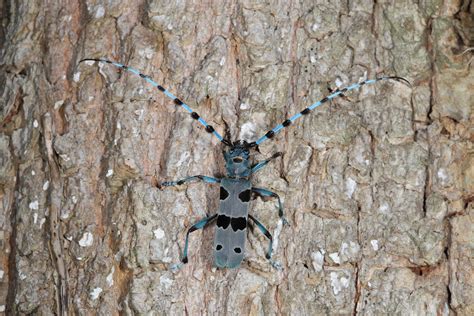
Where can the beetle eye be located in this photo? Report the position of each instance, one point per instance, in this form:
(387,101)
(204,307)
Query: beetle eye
(237,160)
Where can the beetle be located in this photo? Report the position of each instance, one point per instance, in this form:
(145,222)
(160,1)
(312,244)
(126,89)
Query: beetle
(236,187)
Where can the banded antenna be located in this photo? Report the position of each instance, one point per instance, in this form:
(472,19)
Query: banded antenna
(176,101)
(307,110)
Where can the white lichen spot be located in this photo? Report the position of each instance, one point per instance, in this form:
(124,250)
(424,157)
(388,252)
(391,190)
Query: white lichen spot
(222,62)
(42,221)
(79,258)
(2,273)
(276,234)
(335,257)
(74,199)
(146,53)
(170,26)
(354,248)
(384,207)
(338,82)
(313,59)
(65,157)
(95,293)
(2,308)
(100,12)
(33,172)
(184,156)
(318,260)
(166,281)
(110,277)
(21,275)
(110,172)
(244,106)
(167,259)
(247,131)
(369,284)
(87,240)
(338,283)
(35,124)
(344,282)
(351,185)
(159,233)
(90,62)
(77,76)
(35,218)
(135,132)
(34,205)
(442,175)
(90,98)
(140,113)
(119,126)
(375,244)
(315,27)
(58,104)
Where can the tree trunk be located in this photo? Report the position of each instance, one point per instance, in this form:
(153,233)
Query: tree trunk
(378,186)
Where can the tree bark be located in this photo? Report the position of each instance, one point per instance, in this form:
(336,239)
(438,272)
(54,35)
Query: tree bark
(378,186)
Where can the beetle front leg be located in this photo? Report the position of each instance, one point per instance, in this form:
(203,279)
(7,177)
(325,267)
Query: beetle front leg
(205,179)
(265,192)
(263,163)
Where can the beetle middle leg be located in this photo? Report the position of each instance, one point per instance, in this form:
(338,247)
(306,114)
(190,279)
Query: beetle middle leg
(265,192)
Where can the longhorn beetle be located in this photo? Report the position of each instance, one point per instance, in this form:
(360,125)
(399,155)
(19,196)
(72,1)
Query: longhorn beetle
(236,188)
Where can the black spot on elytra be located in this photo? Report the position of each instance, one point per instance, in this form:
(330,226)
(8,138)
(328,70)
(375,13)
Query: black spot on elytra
(223,221)
(238,223)
(194,115)
(161,88)
(224,194)
(237,250)
(244,196)
(324,100)
(178,101)
(218,247)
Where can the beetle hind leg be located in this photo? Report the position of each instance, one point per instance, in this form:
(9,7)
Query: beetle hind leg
(267,234)
(199,225)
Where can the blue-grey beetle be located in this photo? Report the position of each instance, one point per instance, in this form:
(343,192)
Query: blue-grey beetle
(236,188)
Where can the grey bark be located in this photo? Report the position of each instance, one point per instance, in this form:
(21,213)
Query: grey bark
(378,186)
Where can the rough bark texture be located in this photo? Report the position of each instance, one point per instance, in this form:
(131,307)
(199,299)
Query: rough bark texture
(378,185)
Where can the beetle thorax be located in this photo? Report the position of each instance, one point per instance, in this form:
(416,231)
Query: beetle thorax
(237,161)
